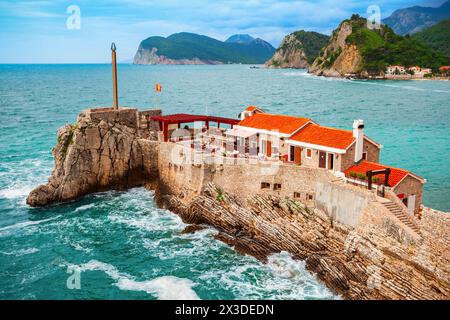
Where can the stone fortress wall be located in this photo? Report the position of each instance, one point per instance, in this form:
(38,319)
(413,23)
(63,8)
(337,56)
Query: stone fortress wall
(186,173)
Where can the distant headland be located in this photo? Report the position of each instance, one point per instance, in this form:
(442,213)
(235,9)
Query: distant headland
(191,48)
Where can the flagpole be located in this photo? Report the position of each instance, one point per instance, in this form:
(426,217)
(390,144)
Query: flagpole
(114,76)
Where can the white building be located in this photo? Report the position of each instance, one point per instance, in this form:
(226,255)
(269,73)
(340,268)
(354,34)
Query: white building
(395,70)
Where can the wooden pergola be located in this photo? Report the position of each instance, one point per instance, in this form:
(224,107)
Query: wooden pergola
(180,118)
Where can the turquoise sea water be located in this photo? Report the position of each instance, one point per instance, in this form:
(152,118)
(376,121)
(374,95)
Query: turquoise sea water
(119,242)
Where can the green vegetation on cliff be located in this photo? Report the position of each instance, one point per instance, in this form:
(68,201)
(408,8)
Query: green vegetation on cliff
(382,47)
(436,37)
(186,45)
(311,41)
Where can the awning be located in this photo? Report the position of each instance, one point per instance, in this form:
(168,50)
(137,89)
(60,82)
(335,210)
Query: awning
(239,132)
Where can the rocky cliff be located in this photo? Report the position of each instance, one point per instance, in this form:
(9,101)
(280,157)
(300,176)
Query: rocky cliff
(297,50)
(358,50)
(338,58)
(375,260)
(289,55)
(145,56)
(95,154)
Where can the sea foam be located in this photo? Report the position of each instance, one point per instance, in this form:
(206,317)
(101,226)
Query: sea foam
(13,193)
(165,287)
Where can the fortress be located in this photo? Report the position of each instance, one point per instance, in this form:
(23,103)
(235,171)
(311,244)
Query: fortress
(318,193)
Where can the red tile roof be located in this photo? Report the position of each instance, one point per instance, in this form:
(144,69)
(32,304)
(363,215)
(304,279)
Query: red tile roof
(266,121)
(251,108)
(325,136)
(395,176)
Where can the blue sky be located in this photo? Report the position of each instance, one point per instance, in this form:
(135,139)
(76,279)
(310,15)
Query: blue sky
(36,31)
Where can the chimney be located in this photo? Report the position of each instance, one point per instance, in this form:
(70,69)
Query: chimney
(244,114)
(358,134)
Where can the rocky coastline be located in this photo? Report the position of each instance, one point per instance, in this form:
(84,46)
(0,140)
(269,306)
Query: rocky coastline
(374,258)
(151,57)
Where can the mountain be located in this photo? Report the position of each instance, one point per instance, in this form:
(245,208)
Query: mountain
(191,48)
(298,50)
(240,38)
(436,37)
(414,19)
(355,49)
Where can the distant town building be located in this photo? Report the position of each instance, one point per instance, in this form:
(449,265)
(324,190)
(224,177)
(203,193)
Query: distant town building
(415,69)
(395,70)
(419,72)
(445,70)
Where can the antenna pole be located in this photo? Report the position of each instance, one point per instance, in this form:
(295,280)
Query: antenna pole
(114,76)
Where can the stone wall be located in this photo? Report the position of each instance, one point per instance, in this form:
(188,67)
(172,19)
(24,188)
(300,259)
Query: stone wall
(348,159)
(342,202)
(182,174)
(148,128)
(178,174)
(124,116)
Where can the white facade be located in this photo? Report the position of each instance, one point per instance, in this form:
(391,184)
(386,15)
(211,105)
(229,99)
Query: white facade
(392,69)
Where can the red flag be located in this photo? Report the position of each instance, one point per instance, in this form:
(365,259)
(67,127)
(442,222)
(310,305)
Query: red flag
(158,87)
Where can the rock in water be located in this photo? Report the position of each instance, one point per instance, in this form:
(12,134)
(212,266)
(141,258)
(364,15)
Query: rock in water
(95,155)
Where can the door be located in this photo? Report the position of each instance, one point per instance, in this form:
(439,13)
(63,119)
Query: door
(411,203)
(291,153)
(298,156)
(322,159)
(269,148)
(330,161)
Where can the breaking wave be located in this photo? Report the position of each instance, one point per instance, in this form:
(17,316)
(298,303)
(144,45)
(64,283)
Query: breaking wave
(165,287)
(25,224)
(13,193)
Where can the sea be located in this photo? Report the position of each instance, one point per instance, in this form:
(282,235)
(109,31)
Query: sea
(118,244)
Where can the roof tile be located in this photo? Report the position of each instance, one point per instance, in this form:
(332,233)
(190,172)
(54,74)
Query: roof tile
(281,123)
(394,178)
(325,136)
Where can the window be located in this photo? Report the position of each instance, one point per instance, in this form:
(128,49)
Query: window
(277,186)
(263,146)
(275,150)
(265,185)
(291,153)
(308,153)
(309,196)
(364,156)
(297,195)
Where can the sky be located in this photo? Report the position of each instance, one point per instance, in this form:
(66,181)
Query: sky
(43,31)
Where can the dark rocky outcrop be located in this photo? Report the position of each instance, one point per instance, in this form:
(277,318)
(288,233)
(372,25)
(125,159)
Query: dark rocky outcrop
(95,155)
(338,58)
(298,50)
(364,263)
